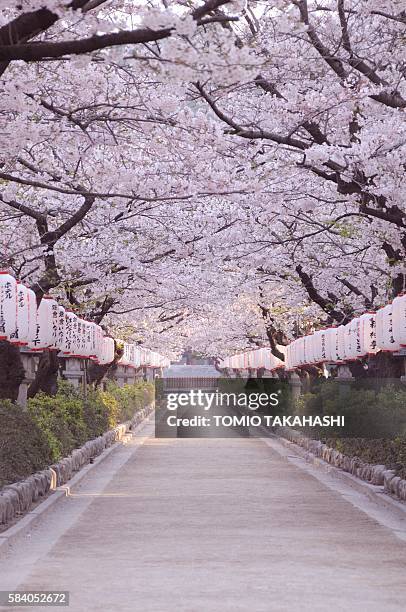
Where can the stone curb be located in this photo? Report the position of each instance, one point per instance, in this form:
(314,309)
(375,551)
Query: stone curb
(17,498)
(374,492)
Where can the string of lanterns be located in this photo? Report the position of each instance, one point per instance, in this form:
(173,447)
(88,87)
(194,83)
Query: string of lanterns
(384,330)
(260,358)
(51,326)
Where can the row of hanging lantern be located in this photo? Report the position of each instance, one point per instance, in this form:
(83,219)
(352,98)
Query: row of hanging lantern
(260,358)
(50,326)
(384,330)
(135,356)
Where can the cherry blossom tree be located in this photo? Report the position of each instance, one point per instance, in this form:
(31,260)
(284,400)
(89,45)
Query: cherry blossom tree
(216,174)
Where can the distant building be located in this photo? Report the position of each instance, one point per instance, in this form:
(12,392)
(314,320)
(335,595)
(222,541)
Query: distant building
(190,357)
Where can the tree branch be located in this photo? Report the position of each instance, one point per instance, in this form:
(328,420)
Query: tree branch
(12,49)
(318,299)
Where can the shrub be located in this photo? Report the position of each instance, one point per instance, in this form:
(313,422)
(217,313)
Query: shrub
(130,398)
(24,447)
(60,418)
(52,427)
(375,420)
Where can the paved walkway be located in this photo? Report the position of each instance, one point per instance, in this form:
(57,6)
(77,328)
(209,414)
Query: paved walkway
(209,525)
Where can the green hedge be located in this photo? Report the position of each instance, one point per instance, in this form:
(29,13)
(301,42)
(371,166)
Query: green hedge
(51,427)
(23,446)
(375,420)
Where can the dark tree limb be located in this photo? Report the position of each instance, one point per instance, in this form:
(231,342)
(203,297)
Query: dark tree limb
(328,306)
(13,45)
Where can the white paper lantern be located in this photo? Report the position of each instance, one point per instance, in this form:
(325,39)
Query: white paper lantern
(107,353)
(76,336)
(61,328)
(54,322)
(368,333)
(94,334)
(88,338)
(352,340)
(331,344)
(20,335)
(316,345)
(325,345)
(42,338)
(399,319)
(310,349)
(130,355)
(340,347)
(79,341)
(265,359)
(356,340)
(385,338)
(101,356)
(68,345)
(110,349)
(136,357)
(321,344)
(8,305)
(300,352)
(348,342)
(32,314)
(92,348)
(379,329)
(254,360)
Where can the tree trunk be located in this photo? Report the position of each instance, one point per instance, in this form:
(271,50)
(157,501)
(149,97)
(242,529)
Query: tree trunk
(357,370)
(11,371)
(96,372)
(46,378)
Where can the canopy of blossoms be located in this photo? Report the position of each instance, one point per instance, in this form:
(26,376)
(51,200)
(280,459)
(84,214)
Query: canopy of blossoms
(214,175)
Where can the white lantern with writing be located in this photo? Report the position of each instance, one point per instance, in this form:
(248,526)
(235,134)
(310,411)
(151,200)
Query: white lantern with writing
(316,343)
(68,341)
(331,344)
(341,344)
(399,319)
(356,342)
(61,328)
(307,353)
(348,342)
(310,349)
(54,325)
(88,338)
(8,305)
(388,342)
(20,337)
(79,337)
(42,338)
(368,333)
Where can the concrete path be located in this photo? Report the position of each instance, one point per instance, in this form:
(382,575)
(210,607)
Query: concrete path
(208,525)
